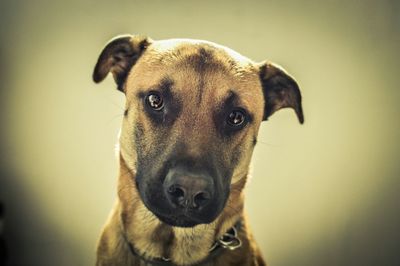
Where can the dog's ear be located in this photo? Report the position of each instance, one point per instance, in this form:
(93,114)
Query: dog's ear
(280,90)
(118,57)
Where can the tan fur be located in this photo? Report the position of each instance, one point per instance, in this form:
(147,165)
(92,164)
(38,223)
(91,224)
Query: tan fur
(130,218)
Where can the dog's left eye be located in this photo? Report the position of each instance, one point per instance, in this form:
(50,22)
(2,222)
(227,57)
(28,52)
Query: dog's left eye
(155,101)
(237,118)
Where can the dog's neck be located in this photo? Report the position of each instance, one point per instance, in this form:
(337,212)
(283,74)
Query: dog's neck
(152,238)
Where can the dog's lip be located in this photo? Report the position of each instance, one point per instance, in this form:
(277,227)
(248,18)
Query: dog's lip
(179,220)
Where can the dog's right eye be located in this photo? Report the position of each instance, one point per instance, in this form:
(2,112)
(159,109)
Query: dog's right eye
(155,101)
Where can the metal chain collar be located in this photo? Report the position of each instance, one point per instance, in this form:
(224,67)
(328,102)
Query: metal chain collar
(229,240)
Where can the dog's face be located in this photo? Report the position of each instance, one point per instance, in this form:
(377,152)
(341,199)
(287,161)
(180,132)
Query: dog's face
(193,110)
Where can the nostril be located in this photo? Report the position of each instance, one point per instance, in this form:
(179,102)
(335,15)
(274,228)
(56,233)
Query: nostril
(201,199)
(176,192)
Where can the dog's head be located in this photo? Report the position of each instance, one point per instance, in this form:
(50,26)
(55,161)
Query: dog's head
(193,110)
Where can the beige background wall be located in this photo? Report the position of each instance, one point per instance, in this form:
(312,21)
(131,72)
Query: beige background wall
(325,193)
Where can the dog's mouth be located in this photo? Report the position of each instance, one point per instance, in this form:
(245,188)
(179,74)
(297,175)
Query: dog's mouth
(181,217)
(178,220)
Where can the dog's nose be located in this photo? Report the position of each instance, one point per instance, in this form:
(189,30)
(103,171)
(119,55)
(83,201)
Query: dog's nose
(187,190)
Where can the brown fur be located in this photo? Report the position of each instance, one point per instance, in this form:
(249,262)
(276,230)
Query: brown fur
(202,75)
(155,239)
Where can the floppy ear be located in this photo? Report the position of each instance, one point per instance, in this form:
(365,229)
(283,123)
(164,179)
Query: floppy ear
(280,90)
(118,57)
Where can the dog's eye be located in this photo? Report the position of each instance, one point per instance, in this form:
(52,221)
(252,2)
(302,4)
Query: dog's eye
(155,101)
(237,118)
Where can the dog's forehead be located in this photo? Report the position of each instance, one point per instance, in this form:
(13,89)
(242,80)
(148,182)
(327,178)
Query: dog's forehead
(197,69)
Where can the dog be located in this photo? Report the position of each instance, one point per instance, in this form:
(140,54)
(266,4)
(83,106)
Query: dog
(192,115)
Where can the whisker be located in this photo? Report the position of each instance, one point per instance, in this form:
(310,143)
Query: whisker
(268,144)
